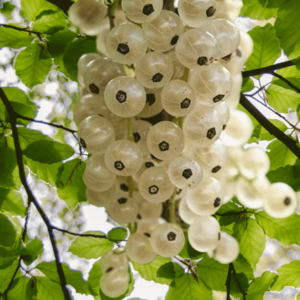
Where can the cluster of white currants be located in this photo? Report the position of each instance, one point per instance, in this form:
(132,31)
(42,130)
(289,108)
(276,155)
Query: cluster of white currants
(188,65)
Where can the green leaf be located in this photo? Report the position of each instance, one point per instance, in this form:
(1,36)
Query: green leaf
(260,285)
(117,234)
(255,135)
(50,22)
(298,111)
(28,136)
(287,275)
(7,231)
(266,47)
(6,275)
(189,252)
(248,85)
(12,202)
(282,99)
(22,289)
(32,250)
(149,272)
(32,8)
(288,28)
(252,240)
(266,136)
(288,175)
(74,51)
(280,155)
(14,39)
(185,287)
(241,265)
(170,270)
(48,152)
(73,277)
(7,9)
(90,247)
(239,285)
(33,65)
(286,230)
(73,189)
(253,9)
(48,289)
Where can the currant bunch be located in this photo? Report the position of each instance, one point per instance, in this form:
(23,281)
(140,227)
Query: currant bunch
(185,66)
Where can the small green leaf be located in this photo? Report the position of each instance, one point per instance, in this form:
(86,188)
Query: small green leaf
(73,189)
(185,287)
(33,65)
(252,240)
(7,9)
(32,8)
(287,275)
(50,22)
(170,270)
(74,51)
(266,136)
(32,250)
(73,277)
(7,231)
(286,230)
(90,247)
(48,289)
(117,234)
(248,85)
(260,285)
(21,289)
(149,272)
(6,275)
(282,99)
(48,152)
(280,155)
(12,202)
(266,47)
(14,39)
(189,252)
(288,28)
(253,9)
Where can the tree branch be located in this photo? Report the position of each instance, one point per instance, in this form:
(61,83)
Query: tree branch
(268,69)
(237,281)
(272,129)
(31,198)
(12,280)
(38,34)
(79,234)
(286,81)
(227,283)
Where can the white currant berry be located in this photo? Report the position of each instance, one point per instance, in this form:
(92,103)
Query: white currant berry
(185,213)
(100,199)
(114,259)
(153,104)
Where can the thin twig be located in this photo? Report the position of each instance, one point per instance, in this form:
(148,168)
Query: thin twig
(38,34)
(227,283)
(237,281)
(72,173)
(271,128)
(285,80)
(80,234)
(12,279)
(268,69)
(31,198)
(111,13)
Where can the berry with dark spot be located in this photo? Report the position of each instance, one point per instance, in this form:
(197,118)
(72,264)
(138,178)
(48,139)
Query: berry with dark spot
(158,77)
(202,61)
(171,236)
(148,9)
(287,201)
(94,89)
(121,96)
(123,48)
(210,11)
(122,200)
(136,136)
(153,189)
(218,98)
(163,146)
(217,202)
(185,103)
(211,133)
(187,173)
(216,169)
(174,40)
(119,165)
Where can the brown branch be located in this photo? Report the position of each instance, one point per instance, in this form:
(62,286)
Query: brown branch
(12,280)
(80,234)
(272,129)
(268,69)
(38,34)
(31,198)
(286,81)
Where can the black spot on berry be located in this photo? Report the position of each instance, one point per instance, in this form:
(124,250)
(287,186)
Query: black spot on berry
(147,234)
(216,169)
(202,61)
(121,96)
(136,136)
(153,189)
(211,133)
(227,57)
(139,217)
(218,98)
(82,142)
(94,89)
(158,77)
(185,103)
(174,40)
(123,48)
(187,173)
(217,202)
(149,164)
(150,99)
(238,52)
(124,187)
(119,165)
(122,200)
(148,9)
(224,127)
(109,269)
(287,201)
(210,11)
(171,236)
(163,146)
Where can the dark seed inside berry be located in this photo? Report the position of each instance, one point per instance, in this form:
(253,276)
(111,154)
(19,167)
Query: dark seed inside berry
(185,103)
(139,217)
(122,200)
(211,133)
(136,136)
(158,77)
(202,61)
(217,202)
(218,98)
(163,146)
(148,9)
(171,236)
(94,89)
(224,127)
(119,165)
(287,201)
(149,164)
(227,57)
(147,234)
(109,269)
(121,96)
(123,48)
(153,190)
(216,169)
(124,187)
(174,40)
(187,173)
(210,11)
